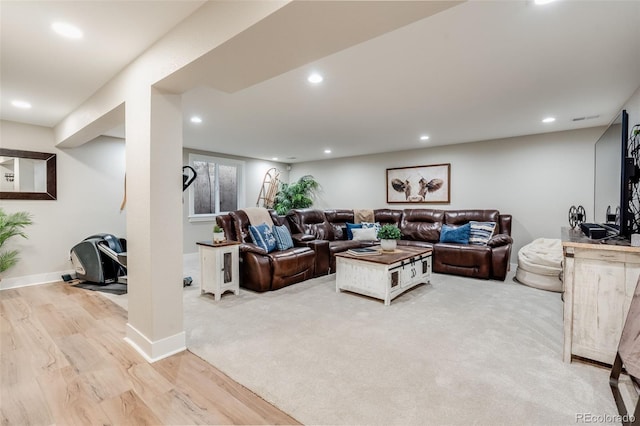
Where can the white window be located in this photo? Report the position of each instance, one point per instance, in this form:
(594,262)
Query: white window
(218,187)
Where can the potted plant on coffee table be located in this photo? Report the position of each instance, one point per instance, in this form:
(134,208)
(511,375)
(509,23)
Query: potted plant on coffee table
(389,234)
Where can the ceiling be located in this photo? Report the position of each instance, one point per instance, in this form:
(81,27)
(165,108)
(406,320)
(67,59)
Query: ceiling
(479,70)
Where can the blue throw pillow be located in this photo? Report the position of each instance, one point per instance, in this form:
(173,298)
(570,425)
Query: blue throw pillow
(455,234)
(481,232)
(263,237)
(283,237)
(351,226)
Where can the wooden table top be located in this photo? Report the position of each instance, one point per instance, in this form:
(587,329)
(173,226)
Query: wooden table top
(576,238)
(388,258)
(210,243)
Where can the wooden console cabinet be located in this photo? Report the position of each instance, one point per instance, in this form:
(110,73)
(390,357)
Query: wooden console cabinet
(599,281)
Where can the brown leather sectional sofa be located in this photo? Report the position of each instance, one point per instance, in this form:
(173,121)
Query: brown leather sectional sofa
(318,235)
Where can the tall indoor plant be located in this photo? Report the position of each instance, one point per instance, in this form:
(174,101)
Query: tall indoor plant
(296,195)
(10,226)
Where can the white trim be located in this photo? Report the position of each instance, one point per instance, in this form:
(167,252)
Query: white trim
(37,279)
(160,349)
(203,218)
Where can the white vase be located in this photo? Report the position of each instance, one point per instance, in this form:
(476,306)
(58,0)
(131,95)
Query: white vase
(218,237)
(388,245)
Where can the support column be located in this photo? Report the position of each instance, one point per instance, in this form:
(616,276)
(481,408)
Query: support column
(154,223)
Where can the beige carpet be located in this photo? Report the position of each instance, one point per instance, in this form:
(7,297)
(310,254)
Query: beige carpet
(456,352)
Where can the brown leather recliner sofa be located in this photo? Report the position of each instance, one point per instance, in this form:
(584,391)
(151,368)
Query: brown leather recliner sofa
(419,227)
(262,271)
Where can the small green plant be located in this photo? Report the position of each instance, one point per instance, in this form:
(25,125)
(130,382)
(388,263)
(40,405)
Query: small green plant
(389,232)
(295,195)
(217,228)
(10,226)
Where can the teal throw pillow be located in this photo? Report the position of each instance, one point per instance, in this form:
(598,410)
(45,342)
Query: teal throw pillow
(263,237)
(283,237)
(481,232)
(455,234)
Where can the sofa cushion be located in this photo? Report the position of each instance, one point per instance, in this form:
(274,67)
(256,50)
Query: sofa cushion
(343,245)
(460,217)
(374,225)
(263,237)
(455,234)
(421,224)
(481,232)
(386,216)
(310,221)
(350,228)
(365,234)
(411,243)
(462,259)
(338,219)
(282,236)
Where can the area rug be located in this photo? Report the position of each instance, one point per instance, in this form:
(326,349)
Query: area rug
(115,288)
(456,352)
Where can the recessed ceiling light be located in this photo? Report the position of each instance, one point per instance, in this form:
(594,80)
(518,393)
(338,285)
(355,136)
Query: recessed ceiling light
(549,120)
(424,138)
(327,151)
(196,119)
(275,158)
(541,2)
(21,104)
(67,30)
(315,78)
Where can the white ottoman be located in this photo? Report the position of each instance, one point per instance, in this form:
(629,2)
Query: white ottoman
(540,264)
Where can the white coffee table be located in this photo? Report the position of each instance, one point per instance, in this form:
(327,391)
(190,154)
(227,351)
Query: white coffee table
(383,276)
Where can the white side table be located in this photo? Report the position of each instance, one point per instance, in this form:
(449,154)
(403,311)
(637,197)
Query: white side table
(219,267)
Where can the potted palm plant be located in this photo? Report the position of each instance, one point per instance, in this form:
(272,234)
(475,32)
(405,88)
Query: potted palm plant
(10,226)
(296,195)
(389,234)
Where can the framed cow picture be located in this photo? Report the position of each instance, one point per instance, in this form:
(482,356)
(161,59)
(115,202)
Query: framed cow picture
(419,184)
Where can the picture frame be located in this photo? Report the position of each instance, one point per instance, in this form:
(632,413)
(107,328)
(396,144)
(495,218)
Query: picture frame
(429,184)
(40,171)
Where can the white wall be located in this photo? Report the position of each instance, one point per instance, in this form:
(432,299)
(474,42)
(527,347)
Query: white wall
(534,178)
(90,188)
(254,175)
(633,108)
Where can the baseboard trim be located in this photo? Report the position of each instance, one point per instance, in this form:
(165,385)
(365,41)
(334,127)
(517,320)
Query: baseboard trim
(160,349)
(37,279)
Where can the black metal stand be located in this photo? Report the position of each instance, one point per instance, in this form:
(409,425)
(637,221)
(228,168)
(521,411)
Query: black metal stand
(627,420)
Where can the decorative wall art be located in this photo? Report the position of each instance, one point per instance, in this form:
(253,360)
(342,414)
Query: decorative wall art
(419,184)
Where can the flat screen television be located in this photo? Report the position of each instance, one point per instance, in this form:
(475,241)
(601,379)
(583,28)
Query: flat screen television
(615,174)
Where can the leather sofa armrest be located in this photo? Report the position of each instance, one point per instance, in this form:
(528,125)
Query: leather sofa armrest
(322,254)
(298,238)
(252,248)
(500,240)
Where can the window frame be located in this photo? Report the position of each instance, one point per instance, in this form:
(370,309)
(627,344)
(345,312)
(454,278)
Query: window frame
(240,186)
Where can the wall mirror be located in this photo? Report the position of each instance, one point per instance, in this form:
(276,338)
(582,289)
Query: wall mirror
(27,175)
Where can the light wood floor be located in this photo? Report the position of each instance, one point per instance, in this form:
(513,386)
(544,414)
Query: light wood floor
(63,361)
